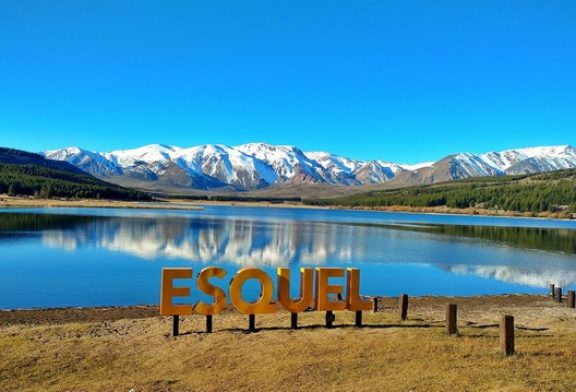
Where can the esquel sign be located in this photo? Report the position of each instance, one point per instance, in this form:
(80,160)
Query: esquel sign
(316,294)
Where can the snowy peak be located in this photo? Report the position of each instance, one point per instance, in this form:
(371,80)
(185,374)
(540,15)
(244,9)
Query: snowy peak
(475,165)
(90,162)
(334,162)
(375,172)
(415,166)
(547,151)
(543,158)
(288,162)
(512,161)
(259,165)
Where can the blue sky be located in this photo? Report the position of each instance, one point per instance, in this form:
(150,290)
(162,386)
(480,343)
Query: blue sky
(405,81)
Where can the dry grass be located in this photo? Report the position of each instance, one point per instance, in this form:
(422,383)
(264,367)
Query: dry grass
(183,204)
(160,204)
(467,211)
(30,202)
(120,354)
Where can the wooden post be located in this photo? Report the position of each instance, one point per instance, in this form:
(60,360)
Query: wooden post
(209,323)
(251,322)
(403,305)
(559,294)
(175,325)
(329,318)
(507,335)
(571,299)
(552,291)
(294,320)
(358,321)
(451,319)
(374,304)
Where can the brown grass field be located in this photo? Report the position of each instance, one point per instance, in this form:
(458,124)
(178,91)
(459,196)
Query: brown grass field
(123,349)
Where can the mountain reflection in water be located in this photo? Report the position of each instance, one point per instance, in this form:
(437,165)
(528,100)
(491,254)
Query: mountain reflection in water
(522,255)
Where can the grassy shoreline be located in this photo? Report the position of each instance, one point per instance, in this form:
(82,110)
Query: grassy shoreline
(181,204)
(131,347)
(442,210)
(19,202)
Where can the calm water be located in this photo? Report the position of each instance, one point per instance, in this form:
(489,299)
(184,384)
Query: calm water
(89,257)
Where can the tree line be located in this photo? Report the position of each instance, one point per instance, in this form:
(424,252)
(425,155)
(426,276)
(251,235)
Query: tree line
(44,182)
(537,193)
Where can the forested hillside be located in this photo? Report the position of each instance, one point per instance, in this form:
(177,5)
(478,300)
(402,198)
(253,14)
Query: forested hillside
(554,191)
(47,182)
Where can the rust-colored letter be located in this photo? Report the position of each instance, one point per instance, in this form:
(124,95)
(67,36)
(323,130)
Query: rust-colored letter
(168,291)
(306,287)
(206,287)
(323,289)
(263,304)
(353,300)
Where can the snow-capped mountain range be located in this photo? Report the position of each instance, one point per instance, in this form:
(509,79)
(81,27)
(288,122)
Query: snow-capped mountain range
(253,166)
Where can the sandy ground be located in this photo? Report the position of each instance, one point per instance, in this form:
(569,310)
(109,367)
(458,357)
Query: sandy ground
(110,349)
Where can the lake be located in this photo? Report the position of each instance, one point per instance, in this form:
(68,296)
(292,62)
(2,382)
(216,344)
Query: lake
(56,257)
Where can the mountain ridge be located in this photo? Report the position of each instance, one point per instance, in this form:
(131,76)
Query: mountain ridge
(260,166)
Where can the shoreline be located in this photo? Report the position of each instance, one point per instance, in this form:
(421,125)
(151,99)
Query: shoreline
(17,202)
(7,202)
(66,314)
(463,212)
(229,306)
